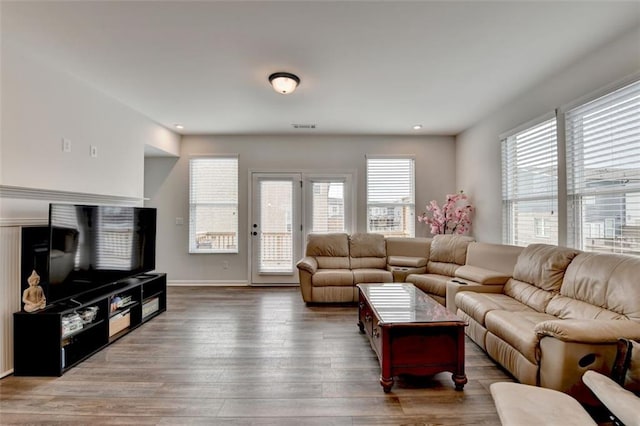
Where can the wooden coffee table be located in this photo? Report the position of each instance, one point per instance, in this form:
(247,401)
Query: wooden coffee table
(411,333)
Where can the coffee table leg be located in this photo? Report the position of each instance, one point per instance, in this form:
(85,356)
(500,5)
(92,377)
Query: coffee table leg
(459,380)
(386,384)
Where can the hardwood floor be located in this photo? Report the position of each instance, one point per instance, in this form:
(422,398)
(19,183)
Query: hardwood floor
(247,356)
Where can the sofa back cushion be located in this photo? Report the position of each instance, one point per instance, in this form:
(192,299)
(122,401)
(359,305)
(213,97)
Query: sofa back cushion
(408,247)
(330,250)
(495,257)
(538,274)
(367,251)
(408,252)
(447,253)
(598,285)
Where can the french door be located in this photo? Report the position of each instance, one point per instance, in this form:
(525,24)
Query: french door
(285,207)
(276,227)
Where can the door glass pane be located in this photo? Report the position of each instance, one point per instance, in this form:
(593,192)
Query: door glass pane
(328,207)
(276,213)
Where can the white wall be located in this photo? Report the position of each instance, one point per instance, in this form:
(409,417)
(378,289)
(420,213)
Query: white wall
(41,106)
(167,186)
(478,168)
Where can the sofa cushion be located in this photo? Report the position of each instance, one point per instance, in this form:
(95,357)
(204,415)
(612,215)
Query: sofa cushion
(430,283)
(477,305)
(332,277)
(543,265)
(367,251)
(608,281)
(406,261)
(496,257)
(528,294)
(568,308)
(449,249)
(372,276)
(367,245)
(538,274)
(330,250)
(481,275)
(332,245)
(408,247)
(518,330)
(328,262)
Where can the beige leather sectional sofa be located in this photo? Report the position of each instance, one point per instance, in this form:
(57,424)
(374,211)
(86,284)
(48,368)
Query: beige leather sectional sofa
(545,313)
(335,263)
(559,315)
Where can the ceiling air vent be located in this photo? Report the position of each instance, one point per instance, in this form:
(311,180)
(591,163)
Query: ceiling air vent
(303,126)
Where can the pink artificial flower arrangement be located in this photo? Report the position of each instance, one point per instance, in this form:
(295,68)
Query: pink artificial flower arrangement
(453,218)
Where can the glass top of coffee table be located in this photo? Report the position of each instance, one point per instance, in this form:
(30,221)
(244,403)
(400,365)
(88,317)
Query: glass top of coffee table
(404,303)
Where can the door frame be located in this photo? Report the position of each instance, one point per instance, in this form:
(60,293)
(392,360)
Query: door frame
(351,179)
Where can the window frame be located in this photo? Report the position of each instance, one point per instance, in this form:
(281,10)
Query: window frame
(579,195)
(411,221)
(193,249)
(509,175)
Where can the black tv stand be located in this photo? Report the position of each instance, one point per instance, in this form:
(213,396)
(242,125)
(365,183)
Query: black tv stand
(51,341)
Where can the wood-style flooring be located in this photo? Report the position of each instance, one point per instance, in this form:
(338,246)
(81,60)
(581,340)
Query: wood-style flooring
(247,356)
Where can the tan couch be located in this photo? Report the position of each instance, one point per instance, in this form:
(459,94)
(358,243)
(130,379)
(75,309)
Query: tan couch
(447,254)
(560,314)
(335,263)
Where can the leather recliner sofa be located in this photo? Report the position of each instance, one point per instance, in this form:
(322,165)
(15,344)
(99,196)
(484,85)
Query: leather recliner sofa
(335,263)
(559,315)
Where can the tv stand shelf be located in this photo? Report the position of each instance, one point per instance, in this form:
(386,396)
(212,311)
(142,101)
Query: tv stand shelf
(42,349)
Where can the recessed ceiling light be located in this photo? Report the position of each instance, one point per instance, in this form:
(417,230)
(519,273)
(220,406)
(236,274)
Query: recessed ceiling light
(417,127)
(179,126)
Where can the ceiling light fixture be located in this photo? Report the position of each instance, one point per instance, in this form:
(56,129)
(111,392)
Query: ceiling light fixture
(179,126)
(284,82)
(417,127)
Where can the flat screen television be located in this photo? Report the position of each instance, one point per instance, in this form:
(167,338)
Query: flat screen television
(93,246)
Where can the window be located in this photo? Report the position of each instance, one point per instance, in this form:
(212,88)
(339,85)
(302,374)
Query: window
(603,173)
(391,196)
(327,206)
(530,185)
(213,204)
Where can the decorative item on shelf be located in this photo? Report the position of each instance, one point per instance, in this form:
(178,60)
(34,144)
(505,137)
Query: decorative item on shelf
(88,314)
(454,217)
(33,297)
(70,323)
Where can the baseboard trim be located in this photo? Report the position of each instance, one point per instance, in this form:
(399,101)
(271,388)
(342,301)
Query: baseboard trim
(207,283)
(6,373)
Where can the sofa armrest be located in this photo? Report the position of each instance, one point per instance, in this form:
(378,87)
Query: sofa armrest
(623,404)
(481,275)
(407,261)
(456,285)
(309,264)
(589,331)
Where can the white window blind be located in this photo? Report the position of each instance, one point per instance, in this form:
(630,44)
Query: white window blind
(213,204)
(391,196)
(603,172)
(328,206)
(530,185)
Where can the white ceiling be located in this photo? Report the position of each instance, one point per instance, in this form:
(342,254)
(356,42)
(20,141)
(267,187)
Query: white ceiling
(367,67)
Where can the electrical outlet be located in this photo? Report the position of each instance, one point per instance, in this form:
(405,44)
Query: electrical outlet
(66,145)
(225,265)
(93,151)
